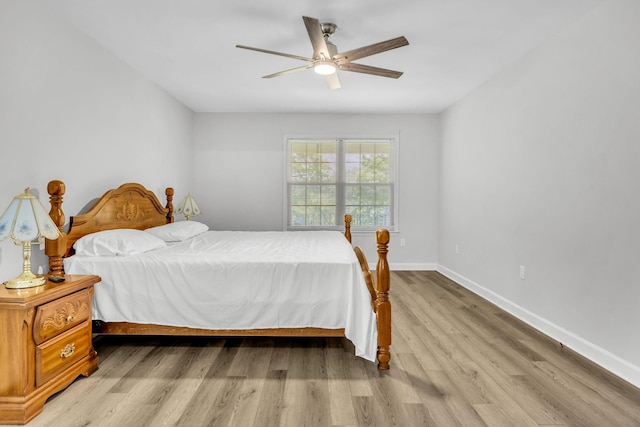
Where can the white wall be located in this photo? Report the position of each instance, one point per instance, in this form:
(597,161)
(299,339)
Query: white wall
(540,169)
(70,110)
(239,162)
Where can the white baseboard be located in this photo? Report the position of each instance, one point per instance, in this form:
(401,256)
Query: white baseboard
(598,355)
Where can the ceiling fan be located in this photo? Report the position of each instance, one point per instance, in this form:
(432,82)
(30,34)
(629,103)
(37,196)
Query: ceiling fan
(326,58)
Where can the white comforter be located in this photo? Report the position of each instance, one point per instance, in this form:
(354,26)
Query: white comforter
(239,280)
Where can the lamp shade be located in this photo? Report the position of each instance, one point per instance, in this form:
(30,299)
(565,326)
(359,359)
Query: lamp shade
(188,207)
(26,220)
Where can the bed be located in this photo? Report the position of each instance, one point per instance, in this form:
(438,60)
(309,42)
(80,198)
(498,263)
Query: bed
(221,283)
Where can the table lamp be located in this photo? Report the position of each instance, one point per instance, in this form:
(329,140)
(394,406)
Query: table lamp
(188,207)
(26,220)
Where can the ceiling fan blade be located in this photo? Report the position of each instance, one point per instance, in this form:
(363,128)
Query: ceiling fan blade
(367,69)
(352,55)
(332,81)
(272,52)
(289,71)
(314,29)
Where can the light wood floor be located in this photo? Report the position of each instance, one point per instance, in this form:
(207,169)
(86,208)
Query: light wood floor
(456,361)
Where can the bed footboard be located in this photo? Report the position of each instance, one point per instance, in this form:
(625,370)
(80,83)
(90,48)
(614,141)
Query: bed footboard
(378,289)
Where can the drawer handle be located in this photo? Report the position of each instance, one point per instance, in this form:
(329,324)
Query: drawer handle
(67,351)
(69,318)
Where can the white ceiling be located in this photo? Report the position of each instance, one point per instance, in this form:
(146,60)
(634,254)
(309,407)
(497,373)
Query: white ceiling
(188,48)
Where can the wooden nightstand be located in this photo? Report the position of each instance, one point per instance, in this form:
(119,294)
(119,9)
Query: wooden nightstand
(45,343)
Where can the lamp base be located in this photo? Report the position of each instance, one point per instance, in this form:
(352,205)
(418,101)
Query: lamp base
(25,280)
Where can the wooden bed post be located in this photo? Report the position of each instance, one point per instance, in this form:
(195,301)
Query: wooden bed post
(383,305)
(55,249)
(169,193)
(347,227)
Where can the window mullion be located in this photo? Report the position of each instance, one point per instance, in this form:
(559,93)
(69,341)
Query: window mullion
(340,182)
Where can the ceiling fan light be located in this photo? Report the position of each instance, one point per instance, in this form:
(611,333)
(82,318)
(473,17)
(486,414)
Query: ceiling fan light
(324,67)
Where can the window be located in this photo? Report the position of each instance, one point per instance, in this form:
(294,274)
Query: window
(328,178)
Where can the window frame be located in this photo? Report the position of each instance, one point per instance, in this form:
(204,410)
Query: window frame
(341,183)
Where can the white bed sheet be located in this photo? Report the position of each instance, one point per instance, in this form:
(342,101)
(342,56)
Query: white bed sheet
(239,280)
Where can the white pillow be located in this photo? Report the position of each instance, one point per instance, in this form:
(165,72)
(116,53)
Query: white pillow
(120,242)
(178,231)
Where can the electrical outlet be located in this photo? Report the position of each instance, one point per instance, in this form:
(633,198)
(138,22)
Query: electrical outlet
(522,272)
(403,242)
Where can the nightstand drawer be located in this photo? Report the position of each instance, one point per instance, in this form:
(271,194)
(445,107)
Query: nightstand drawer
(61,352)
(61,315)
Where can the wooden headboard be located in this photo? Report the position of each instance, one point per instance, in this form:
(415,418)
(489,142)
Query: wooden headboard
(129,206)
